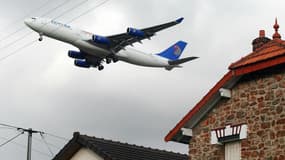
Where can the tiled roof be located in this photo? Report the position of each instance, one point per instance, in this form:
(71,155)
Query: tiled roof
(270,50)
(113,150)
(267,53)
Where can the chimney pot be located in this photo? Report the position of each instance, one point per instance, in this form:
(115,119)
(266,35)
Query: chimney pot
(259,41)
(261,33)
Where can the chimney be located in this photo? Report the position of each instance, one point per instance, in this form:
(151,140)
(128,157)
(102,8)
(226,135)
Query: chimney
(259,41)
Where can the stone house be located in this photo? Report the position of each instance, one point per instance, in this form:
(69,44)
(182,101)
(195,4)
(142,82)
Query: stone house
(83,147)
(243,115)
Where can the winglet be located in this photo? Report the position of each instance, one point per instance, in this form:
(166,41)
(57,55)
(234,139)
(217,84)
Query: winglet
(179,20)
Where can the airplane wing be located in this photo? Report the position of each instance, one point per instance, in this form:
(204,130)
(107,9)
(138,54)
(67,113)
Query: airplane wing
(120,41)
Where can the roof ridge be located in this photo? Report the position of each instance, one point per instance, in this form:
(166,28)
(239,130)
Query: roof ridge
(269,44)
(262,51)
(133,145)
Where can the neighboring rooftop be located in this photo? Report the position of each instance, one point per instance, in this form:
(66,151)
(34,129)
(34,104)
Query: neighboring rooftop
(112,150)
(266,53)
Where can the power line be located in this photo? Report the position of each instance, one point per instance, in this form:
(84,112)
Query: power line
(15,21)
(27,34)
(46,13)
(55,136)
(24,146)
(16,40)
(30,43)
(11,139)
(89,10)
(50,144)
(19,128)
(43,138)
(72,8)
(53,9)
(36,9)
(7,125)
(17,50)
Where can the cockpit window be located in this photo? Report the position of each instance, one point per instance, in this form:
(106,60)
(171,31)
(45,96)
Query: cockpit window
(34,18)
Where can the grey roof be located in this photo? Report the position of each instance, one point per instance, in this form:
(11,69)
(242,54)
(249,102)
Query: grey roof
(112,150)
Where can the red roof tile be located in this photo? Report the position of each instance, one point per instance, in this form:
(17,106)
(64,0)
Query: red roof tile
(270,50)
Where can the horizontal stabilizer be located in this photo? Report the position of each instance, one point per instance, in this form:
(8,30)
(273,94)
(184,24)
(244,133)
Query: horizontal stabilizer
(180,61)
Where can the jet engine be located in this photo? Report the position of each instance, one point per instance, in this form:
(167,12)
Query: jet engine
(81,63)
(100,40)
(135,32)
(76,54)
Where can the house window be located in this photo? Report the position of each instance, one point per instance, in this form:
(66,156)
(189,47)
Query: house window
(233,150)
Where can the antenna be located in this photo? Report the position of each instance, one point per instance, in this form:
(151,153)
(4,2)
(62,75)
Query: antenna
(30,132)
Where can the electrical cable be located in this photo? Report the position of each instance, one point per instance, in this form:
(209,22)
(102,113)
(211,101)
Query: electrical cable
(46,13)
(55,136)
(50,134)
(19,19)
(30,32)
(7,125)
(45,142)
(11,139)
(17,50)
(24,146)
(72,8)
(50,144)
(89,10)
(30,43)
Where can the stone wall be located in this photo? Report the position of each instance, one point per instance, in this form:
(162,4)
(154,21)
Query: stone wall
(257,100)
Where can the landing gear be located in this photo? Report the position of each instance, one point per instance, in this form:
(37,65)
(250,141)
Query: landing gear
(100,67)
(41,37)
(115,59)
(108,60)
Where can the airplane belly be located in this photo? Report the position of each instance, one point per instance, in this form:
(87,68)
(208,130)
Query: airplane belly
(91,49)
(141,59)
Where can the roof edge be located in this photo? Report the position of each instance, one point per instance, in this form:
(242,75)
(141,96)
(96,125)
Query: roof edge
(198,106)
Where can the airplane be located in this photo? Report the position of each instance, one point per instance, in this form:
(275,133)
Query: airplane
(94,49)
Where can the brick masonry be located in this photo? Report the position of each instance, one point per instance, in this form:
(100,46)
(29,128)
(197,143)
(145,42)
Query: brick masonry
(258,100)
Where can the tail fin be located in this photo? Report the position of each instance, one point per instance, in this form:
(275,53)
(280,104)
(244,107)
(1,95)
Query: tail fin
(173,52)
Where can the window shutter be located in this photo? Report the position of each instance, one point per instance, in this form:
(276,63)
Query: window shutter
(233,151)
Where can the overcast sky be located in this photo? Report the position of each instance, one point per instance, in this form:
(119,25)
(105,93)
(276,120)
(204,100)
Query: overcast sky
(41,88)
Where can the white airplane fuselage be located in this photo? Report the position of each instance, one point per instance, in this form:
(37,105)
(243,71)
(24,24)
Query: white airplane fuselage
(79,39)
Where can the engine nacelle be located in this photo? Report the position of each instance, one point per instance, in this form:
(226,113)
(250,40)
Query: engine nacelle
(76,54)
(81,63)
(135,32)
(100,40)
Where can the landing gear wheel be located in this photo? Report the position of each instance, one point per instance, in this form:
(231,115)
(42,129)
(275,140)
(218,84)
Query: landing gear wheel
(41,37)
(108,60)
(100,67)
(115,59)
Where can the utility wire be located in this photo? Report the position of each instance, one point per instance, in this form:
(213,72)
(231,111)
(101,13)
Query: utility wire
(16,40)
(55,136)
(72,8)
(19,19)
(19,128)
(17,50)
(50,144)
(30,32)
(43,138)
(24,146)
(9,140)
(7,125)
(89,10)
(55,8)
(46,13)
(30,43)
